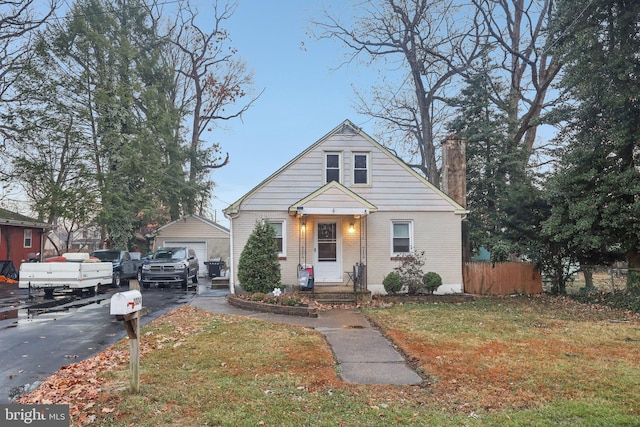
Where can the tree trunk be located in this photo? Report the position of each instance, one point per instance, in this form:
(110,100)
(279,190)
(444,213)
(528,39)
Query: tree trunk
(588,278)
(633,272)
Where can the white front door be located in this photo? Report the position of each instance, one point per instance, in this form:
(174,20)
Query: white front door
(328,252)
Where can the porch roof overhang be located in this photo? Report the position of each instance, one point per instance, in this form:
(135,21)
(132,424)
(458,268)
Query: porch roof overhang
(332,199)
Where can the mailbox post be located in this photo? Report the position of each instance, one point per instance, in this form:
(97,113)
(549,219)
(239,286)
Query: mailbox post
(126,306)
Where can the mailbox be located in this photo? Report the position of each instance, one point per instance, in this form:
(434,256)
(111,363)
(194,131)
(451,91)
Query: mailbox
(128,302)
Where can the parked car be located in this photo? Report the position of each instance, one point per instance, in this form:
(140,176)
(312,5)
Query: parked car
(125,267)
(169,265)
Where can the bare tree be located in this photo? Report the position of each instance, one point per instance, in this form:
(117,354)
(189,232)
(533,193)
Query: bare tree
(432,43)
(18,21)
(212,82)
(519,29)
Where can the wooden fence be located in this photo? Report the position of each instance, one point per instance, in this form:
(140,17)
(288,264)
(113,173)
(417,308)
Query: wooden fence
(501,278)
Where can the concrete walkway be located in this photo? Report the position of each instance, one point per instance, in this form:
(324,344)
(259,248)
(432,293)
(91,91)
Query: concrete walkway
(363,354)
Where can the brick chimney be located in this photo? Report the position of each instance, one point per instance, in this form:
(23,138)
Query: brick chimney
(454,169)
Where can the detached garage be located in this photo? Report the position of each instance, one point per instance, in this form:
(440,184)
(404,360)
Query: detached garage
(210,240)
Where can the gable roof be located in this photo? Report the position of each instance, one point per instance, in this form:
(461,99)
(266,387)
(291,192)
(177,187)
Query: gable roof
(348,202)
(199,218)
(18,220)
(345,128)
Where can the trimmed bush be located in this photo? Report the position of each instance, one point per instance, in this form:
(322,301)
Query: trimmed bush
(431,281)
(258,267)
(392,283)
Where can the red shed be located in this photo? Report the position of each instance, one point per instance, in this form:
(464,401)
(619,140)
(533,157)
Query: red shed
(20,236)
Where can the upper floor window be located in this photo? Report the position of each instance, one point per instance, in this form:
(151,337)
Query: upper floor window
(28,238)
(361,168)
(332,163)
(401,237)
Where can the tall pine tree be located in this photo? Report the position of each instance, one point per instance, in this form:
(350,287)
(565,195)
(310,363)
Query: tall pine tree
(596,190)
(493,165)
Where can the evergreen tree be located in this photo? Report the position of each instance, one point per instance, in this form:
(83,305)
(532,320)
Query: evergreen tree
(492,163)
(596,208)
(258,267)
(99,102)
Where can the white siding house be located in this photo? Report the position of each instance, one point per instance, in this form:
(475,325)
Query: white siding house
(347,200)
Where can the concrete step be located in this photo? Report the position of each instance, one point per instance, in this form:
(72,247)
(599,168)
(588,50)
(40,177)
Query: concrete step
(341,297)
(219,282)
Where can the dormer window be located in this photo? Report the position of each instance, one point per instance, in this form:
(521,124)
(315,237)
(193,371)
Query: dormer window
(332,163)
(361,168)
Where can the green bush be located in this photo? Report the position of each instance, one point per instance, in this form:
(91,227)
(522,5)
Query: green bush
(257,296)
(290,300)
(392,283)
(258,267)
(431,281)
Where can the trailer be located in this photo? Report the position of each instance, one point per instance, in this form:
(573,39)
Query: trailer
(75,271)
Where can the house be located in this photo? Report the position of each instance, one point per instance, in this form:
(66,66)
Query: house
(21,237)
(347,201)
(85,239)
(209,239)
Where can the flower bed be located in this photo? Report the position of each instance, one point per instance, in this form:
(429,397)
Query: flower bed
(302,310)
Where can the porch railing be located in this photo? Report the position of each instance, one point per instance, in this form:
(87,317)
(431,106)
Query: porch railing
(359,278)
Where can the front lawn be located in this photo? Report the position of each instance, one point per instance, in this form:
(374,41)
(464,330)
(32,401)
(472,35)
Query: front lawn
(504,361)
(524,361)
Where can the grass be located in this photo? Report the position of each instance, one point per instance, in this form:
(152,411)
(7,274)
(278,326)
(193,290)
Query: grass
(492,362)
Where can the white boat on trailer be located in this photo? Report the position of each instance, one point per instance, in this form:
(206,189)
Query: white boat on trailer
(76,271)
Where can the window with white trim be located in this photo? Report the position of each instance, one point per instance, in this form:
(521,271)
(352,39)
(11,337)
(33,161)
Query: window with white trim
(28,238)
(361,168)
(401,237)
(332,171)
(279,226)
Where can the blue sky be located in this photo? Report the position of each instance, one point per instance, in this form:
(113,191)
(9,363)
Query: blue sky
(304,96)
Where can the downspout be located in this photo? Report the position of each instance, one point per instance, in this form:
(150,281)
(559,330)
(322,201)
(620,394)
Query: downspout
(232,267)
(366,251)
(232,287)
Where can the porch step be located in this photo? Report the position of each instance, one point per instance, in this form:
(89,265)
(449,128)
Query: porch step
(219,282)
(339,295)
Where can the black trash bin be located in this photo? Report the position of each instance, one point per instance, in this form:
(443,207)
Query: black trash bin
(214,265)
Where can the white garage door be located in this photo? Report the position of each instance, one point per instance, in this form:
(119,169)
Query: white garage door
(201,252)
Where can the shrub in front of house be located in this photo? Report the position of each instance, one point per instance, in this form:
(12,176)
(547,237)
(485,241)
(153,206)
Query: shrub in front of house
(392,283)
(431,281)
(257,296)
(411,273)
(289,300)
(258,267)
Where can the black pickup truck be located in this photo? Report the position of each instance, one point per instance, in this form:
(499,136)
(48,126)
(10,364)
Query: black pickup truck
(126,266)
